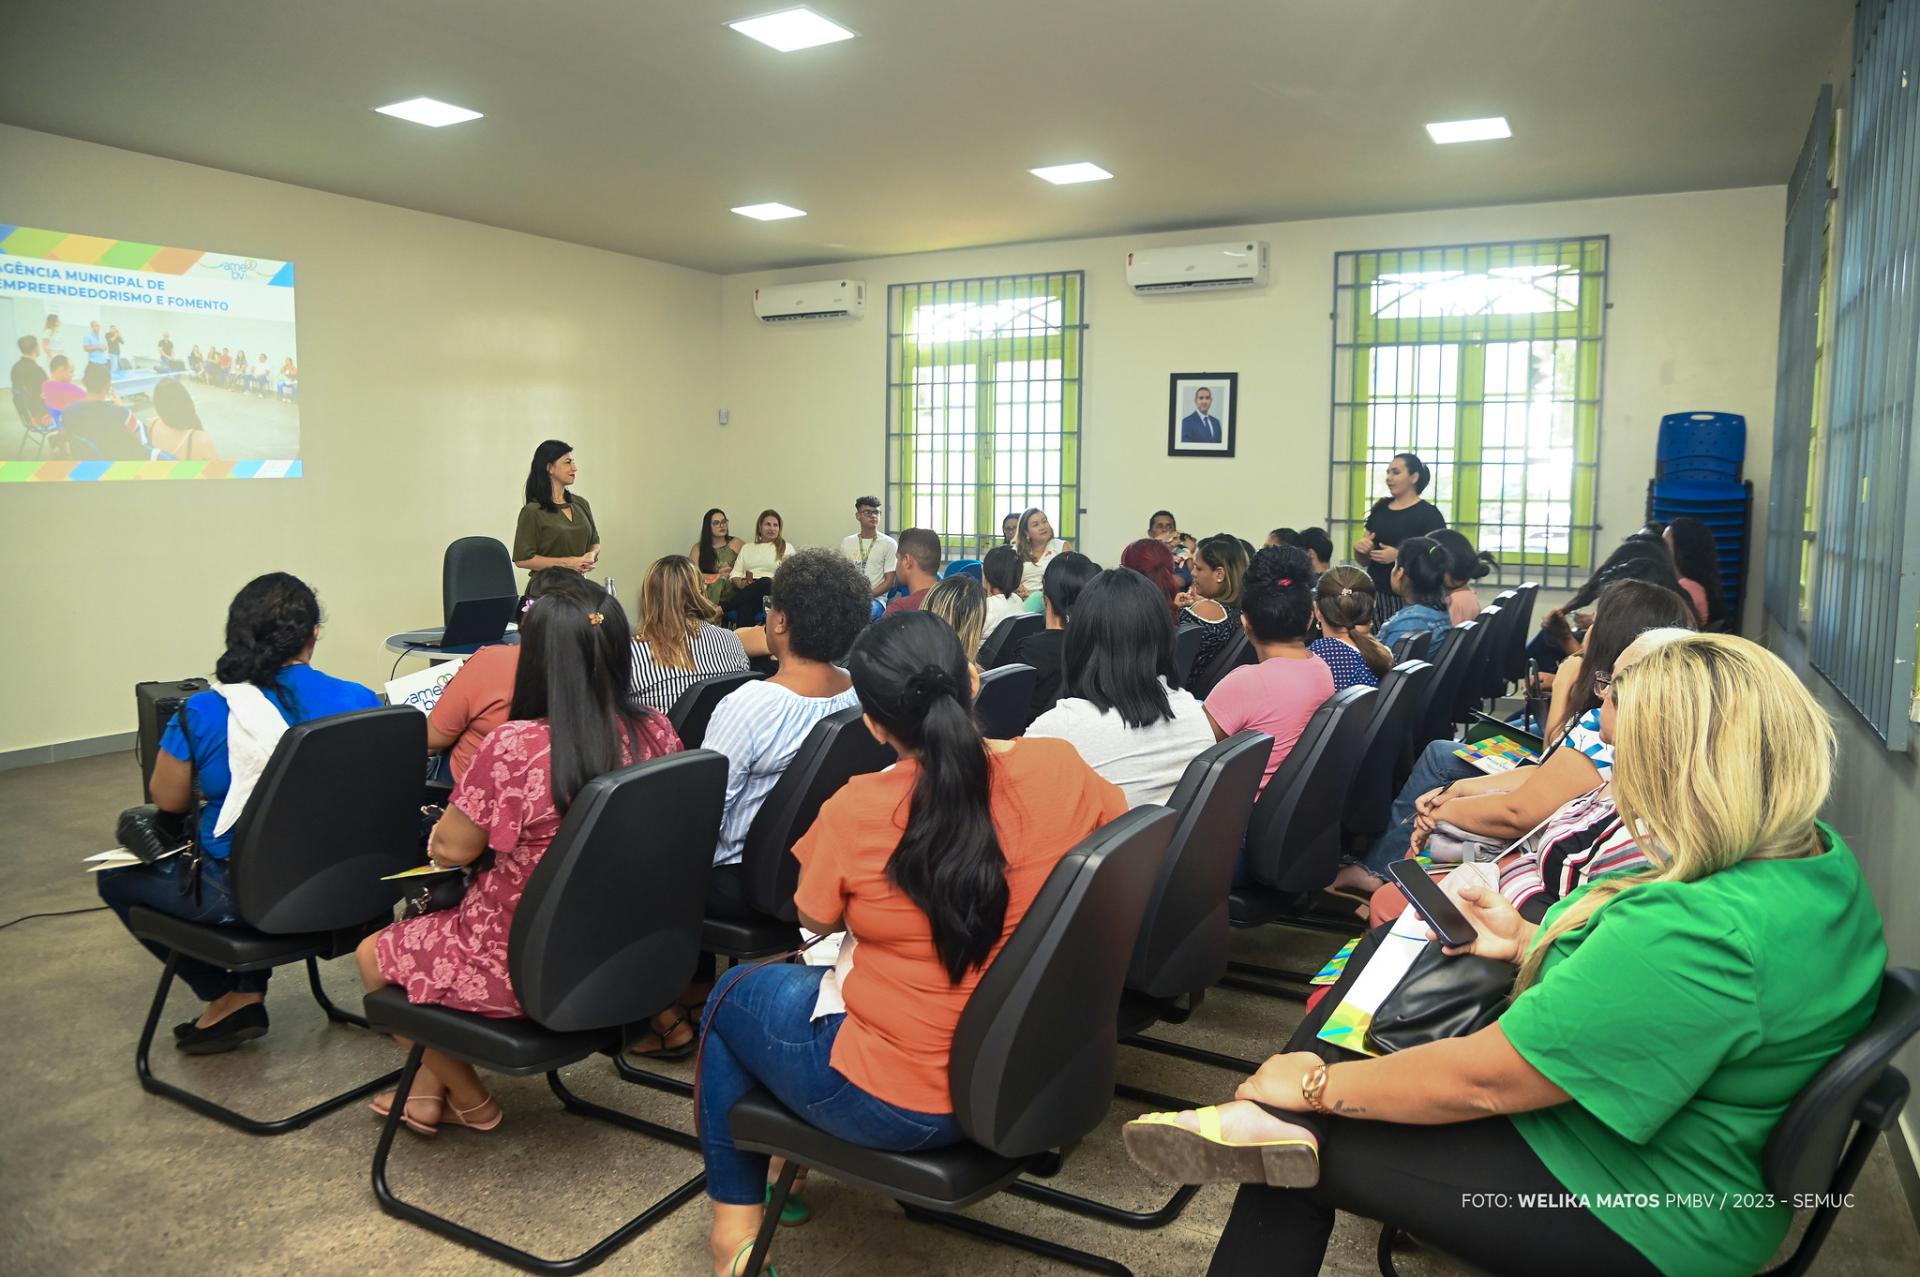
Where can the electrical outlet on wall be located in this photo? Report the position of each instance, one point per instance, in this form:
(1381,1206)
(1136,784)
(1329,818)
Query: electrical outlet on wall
(725,416)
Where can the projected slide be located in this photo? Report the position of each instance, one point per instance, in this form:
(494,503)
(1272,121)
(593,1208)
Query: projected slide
(141,361)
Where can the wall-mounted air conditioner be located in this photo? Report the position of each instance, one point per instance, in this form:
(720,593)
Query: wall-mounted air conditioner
(825,299)
(1167,270)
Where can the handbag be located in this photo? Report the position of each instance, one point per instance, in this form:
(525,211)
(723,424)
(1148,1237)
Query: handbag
(1449,844)
(152,834)
(444,891)
(1441,997)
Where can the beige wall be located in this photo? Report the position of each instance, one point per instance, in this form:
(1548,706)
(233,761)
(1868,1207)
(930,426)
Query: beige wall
(434,355)
(1695,289)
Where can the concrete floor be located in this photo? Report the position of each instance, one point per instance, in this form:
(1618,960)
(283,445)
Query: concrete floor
(103,1178)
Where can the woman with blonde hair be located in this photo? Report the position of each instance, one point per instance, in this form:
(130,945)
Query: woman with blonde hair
(675,640)
(1037,545)
(1664,1020)
(753,569)
(1343,602)
(961,602)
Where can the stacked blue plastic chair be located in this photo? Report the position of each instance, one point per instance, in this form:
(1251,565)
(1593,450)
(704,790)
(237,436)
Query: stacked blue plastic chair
(1697,472)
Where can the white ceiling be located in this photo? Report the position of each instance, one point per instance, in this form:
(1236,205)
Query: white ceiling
(635,125)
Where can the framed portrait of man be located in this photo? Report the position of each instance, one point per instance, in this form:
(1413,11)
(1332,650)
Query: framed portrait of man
(1200,413)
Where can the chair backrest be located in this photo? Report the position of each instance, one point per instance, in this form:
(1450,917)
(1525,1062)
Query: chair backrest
(1395,708)
(963,567)
(1413,647)
(1293,839)
(1237,651)
(1486,635)
(1182,946)
(1805,1146)
(837,749)
(475,568)
(1186,649)
(1701,445)
(1456,658)
(1035,1055)
(998,647)
(337,808)
(609,928)
(693,708)
(1004,707)
(1492,645)
(1514,661)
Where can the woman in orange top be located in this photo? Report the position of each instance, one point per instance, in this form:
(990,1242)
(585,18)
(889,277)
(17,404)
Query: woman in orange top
(929,866)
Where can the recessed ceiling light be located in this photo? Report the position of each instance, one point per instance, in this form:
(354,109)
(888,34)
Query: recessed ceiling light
(792,29)
(1067,174)
(769,212)
(428,111)
(1486,130)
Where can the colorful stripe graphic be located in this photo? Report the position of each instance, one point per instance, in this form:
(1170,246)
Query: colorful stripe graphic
(124,254)
(111,471)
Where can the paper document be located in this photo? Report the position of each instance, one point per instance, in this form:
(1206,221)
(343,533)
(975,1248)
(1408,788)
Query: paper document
(421,871)
(422,690)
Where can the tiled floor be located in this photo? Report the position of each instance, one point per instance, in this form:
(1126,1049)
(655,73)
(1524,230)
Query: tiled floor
(103,1178)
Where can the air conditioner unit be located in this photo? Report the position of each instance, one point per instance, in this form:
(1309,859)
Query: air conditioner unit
(1166,270)
(824,299)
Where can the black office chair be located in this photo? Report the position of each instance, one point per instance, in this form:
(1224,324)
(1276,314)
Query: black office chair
(1237,651)
(1293,839)
(1482,644)
(1824,1138)
(998,647)
(1395,709)
(36,422)
(1004,707)
(1491,683)
(1182,947)
(1414,647)
(1186,650)
(1513,663)
(606,936)
(693,709)
(475,568)
(1033,1060)
(307,871)
(1449,677)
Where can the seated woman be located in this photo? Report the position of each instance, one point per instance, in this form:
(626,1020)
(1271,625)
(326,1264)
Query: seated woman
(1278,695)
(1419,576)
(1153,560)
(265,683)
(1001,572)
(572,719)
(1319,547)
(755,565)
(961,602)
(1664,1020)
(476,699)
(1642,556)
(1696,562)
(928,866)
(676,642)
(1504,806)
(1038,547)
(1120,709)
(1219,567)
(715,553)
(1343,602)
(1466,566)
(1066,576)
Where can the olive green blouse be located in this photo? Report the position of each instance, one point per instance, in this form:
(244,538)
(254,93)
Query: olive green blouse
(552,534)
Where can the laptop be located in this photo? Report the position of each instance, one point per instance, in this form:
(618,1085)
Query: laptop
(478,621)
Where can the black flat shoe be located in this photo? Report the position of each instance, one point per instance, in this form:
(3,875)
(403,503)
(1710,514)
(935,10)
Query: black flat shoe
(244,1025)
(183,1028)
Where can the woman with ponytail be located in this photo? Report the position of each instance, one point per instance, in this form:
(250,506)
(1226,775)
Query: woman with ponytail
(1664,1018)
(1277,696)
(1468,566)
(265,683)
(1420,583)
(573,718)
(928,866)
(1343,601)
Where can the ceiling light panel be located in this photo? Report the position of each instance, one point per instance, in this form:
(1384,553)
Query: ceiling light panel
(792,29)
(1067,174)
(769,212)
(429,111)
(1488,130)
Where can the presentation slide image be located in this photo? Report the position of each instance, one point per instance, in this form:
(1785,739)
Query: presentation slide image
(140,361)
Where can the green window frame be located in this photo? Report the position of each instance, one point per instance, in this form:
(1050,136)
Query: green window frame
(983,404)
(1487,361)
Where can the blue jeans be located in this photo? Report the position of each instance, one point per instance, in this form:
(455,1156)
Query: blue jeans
(761,1034)
(1438,766)
(161,887)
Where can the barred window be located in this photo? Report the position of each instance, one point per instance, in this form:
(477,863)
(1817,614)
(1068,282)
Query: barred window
(1484,359)
(983,405)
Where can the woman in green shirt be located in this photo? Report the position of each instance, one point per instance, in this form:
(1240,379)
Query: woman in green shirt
(714,554)
(1614,1118)
(556,528)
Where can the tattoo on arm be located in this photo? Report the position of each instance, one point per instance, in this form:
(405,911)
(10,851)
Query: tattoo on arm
(1345,1109)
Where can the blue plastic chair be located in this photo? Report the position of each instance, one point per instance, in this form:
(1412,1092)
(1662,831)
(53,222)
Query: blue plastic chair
(965,567)
(1709,446)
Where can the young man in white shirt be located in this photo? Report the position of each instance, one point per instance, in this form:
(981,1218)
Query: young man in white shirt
(870,549)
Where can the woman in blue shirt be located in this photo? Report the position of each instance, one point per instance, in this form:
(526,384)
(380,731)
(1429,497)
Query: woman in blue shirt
(1420,581)
(272,625)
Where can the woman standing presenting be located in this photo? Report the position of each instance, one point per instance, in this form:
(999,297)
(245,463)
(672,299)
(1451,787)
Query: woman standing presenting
(1395,518)
(556,528)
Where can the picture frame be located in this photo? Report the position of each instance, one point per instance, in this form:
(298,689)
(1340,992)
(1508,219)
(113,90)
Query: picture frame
(1202,414)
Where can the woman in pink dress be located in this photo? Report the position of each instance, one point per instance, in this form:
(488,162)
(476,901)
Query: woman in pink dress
(572,719)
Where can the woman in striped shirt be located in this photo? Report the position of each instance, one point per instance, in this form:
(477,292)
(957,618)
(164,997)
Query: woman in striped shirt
(676,641)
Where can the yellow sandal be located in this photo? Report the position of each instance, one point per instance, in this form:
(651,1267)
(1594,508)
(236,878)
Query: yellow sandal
(1159,1143)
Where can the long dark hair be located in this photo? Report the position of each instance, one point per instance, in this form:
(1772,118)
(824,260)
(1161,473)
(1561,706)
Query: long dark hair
(1277,598)
(1001,570)
(1415,467)
(1066,575)
(1696,556)
(912,678)
(576,671)
(1469,565)
(539,482)
(1624,611)
(1425,562)
(1154,561)
(270,621)
(1120,647)
(1642,556)
(708,563)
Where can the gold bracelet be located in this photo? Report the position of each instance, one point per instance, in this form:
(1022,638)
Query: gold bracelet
(1313,1086)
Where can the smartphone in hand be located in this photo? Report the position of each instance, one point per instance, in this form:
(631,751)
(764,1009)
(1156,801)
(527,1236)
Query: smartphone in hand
(1433,904)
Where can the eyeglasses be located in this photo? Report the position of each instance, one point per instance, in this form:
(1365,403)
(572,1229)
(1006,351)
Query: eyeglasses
(1603,681)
